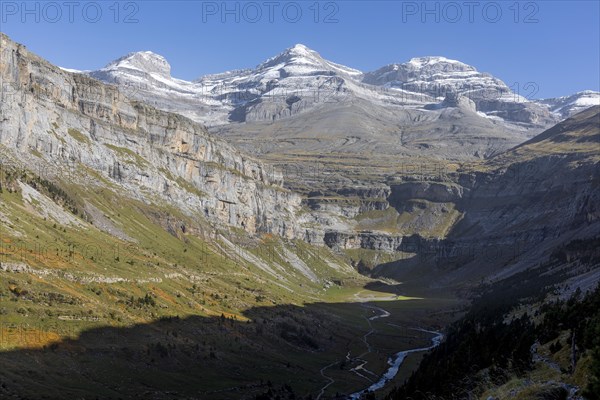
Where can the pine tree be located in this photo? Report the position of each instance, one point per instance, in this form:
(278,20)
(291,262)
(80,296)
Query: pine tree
(592,391)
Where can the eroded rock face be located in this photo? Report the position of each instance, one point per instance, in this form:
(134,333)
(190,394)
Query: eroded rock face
(432,191)
(154,155)
(509,215)
(520,112)
(363,240)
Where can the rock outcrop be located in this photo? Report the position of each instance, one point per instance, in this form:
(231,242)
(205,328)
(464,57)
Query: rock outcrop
(50,116)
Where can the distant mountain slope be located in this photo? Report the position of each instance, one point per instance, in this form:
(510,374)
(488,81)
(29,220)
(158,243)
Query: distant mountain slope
(346,125)
(300,108)
(300,78)
(568,106)
(515,207)
(577,136)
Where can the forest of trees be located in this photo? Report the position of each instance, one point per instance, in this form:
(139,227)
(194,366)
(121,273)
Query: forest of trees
(484,340)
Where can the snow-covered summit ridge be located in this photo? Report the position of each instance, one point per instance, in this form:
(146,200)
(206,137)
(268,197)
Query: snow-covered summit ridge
(566,106)
(298,59)
(298,54)
(299,78)
(430,68)
(144,61)
(420,62)
(301,59)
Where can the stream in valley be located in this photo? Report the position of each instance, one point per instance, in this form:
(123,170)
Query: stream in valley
(395,362)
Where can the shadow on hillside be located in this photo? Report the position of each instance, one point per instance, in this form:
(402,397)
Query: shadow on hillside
(383,287)
(279,349)
(454,265)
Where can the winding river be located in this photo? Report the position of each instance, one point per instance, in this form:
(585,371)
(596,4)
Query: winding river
(395,362)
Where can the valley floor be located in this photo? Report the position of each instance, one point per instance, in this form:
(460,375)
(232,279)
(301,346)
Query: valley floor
(344,348)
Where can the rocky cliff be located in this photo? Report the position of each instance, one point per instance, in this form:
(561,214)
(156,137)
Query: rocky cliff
(516,208)
(52,118)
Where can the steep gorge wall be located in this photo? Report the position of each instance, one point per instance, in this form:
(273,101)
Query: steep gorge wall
(63,117)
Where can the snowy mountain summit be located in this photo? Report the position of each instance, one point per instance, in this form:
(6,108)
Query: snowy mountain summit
(299,79)
(143,62)
(300,60)
(566,106)
(437,75)
(297,54)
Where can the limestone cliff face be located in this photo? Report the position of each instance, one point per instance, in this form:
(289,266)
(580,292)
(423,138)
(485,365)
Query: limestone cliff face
(526,202)
(49,116)
(373,241)
(432,191)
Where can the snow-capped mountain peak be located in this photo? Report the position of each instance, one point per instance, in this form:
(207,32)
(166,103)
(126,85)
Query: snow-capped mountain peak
(436,75)
(300,49)
(420,62)
(299,78)
(298,54)
(567,106)
(143,61)
(301,60)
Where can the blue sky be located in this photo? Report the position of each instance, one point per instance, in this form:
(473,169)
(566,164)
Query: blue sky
(555,44)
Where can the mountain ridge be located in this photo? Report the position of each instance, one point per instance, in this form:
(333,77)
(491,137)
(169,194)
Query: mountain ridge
(478,84)
(299,60)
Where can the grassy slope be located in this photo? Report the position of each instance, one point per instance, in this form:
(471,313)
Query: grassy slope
(87,308)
